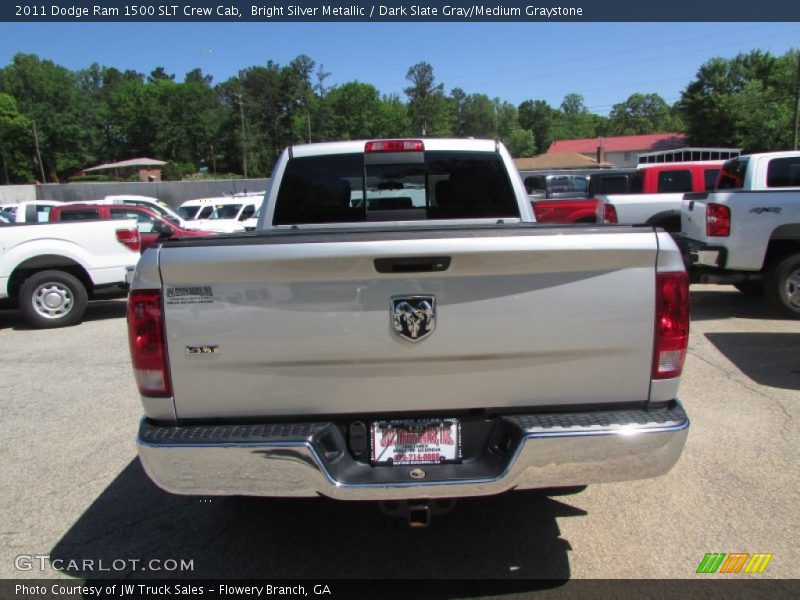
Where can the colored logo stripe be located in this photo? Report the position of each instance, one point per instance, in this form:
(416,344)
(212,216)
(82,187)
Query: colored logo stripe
(734,563)
(758,562)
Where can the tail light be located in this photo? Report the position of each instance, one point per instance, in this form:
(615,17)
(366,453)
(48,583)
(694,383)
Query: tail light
(394,146)
(718,220)
(146,339)
(609,213)
(672,324)
(130,238)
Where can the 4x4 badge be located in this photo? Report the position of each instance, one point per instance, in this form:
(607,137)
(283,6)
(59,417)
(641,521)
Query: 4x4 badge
(413,317)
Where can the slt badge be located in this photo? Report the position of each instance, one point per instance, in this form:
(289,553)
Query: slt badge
(413,317)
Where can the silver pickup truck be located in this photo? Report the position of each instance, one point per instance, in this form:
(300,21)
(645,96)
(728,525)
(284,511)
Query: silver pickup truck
(397,328)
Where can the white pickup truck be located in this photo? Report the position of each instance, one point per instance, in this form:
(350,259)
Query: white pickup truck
(747,232)
(660,192)
(49,270)
(397,328)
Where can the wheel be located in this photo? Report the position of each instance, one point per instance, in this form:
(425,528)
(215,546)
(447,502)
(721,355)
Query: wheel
(750,288)
(783,286)
(52,299)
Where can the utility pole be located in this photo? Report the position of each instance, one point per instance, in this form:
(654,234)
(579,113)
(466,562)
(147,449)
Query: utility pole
(213,160)
(244,151)
(38,153)
(796,99)
(5,169)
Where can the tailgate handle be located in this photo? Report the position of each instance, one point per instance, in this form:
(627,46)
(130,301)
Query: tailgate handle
(412,264)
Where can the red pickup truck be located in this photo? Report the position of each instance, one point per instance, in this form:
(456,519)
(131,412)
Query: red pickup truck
(653,179)
(152,227)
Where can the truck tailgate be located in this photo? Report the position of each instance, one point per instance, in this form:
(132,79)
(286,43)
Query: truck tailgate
(301,323)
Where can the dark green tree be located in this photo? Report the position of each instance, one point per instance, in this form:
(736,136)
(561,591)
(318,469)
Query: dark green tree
(480,119)
(355,109)
(538,117)
(642,113)
(393,119)
(745,102)
(16,143)
(50,96)
(426,101)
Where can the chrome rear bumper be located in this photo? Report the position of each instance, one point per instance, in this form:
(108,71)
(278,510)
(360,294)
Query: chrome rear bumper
(311,458)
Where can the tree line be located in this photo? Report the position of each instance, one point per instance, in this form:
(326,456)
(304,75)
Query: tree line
(55,122)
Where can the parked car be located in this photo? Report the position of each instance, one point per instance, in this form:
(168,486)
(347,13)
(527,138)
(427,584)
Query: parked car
(582,206)
(152,227)
(747,231)
(229,214)
(154,204)
(198,208)
(659,204)
(51,270)
(555,185)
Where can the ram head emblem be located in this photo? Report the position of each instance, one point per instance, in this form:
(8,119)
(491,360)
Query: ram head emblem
(413,317)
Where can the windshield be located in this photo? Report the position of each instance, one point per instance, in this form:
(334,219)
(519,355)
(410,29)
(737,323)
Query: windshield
(188,212)
(163,212)
(226,211)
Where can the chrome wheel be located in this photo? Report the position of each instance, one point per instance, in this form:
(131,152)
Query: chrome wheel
(52,300)
(792,289)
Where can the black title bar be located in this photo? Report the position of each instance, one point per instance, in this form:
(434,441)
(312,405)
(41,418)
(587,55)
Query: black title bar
(398,11)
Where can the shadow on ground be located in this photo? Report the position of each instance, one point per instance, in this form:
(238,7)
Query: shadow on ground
(727,303)
(514,535)
(767,358)
(96,310)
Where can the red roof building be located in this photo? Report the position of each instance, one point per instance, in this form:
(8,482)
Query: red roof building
(620,150)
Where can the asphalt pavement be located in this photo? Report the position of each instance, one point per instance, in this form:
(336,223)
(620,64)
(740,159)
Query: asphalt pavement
(73,489)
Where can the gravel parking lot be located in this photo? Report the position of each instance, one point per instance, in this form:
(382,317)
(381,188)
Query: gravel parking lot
(73,488)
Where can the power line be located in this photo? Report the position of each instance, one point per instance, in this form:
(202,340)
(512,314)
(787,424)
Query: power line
(627,63)
(671,43)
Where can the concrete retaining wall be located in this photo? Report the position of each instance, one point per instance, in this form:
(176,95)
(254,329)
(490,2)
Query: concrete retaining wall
(171,192)
(13,194)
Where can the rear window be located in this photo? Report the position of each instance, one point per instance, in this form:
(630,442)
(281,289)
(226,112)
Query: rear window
(248,212)
(187,212)
(675,181)
(566,184)
(226,211)
(731,177)
(394,187)
(79,215)
(784,172)
(710,178)
(608,184)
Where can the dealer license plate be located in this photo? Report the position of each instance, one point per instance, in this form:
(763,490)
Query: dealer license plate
(416,442)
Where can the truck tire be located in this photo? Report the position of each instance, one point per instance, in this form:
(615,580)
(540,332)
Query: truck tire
(750,288)
(52,299)
(783,286)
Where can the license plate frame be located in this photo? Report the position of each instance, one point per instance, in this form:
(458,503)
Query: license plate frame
(404,442)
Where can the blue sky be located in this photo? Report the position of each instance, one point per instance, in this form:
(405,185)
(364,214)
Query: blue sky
(605,62)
